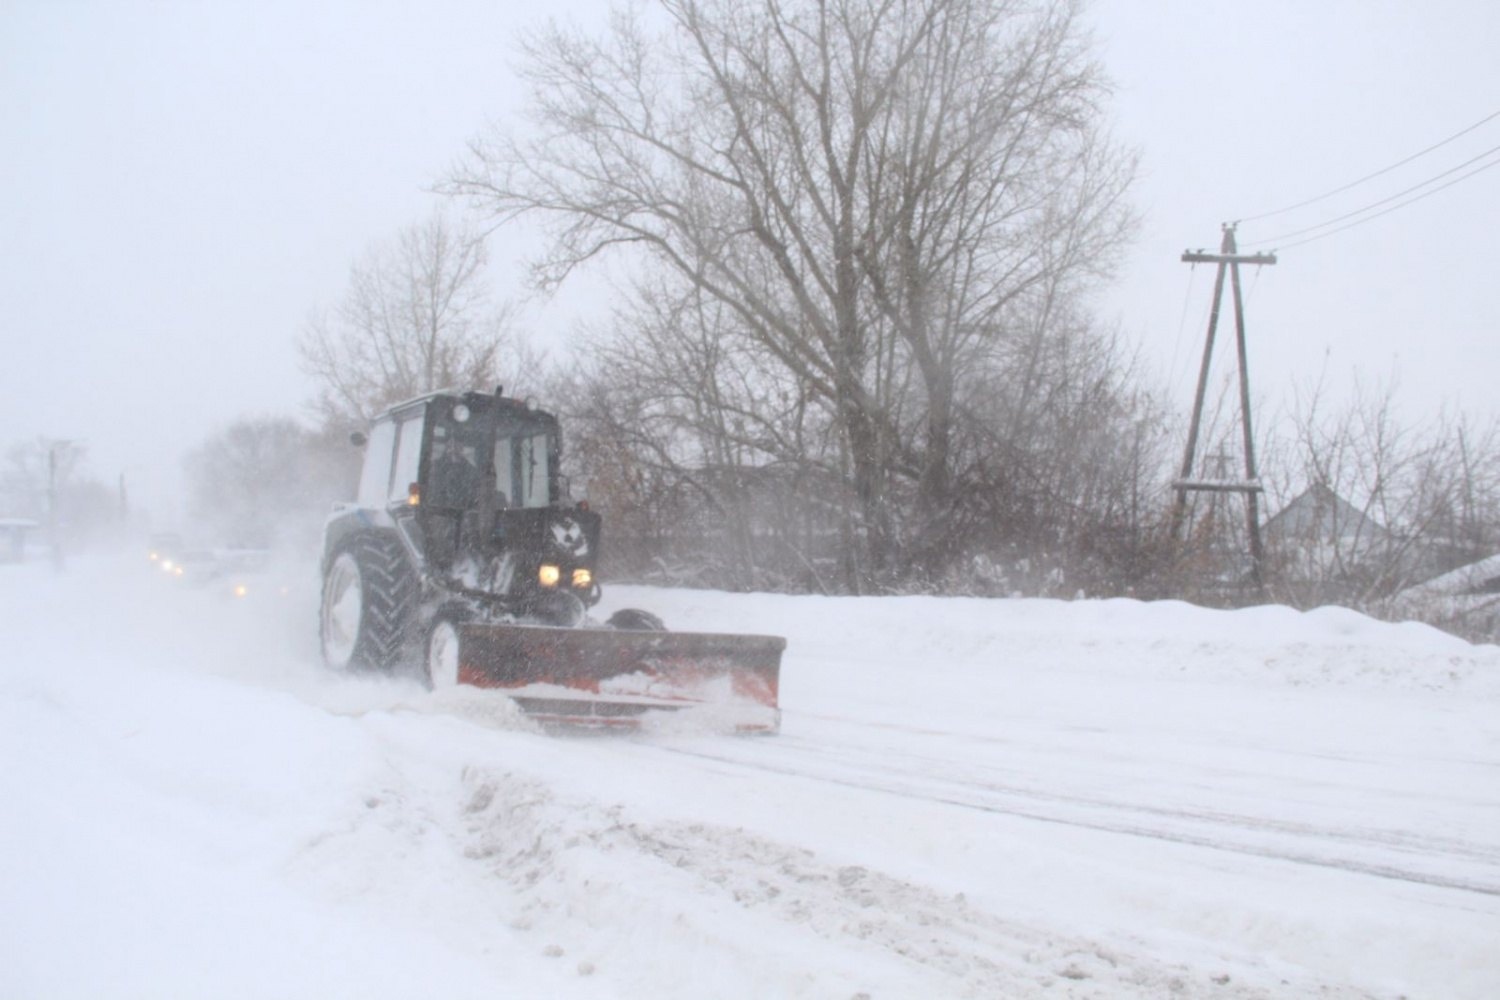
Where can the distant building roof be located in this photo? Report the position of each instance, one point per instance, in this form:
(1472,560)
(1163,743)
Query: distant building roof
(1482,577)
(1319,512)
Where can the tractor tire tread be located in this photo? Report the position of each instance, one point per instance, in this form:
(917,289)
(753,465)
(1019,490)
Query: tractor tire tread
(391,592)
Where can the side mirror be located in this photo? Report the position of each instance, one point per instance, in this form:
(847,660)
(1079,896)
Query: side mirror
(358,439)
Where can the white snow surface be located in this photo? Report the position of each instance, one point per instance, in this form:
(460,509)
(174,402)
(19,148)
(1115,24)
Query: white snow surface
(969,798)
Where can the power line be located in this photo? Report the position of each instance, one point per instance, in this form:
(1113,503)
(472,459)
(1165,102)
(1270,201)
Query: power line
(1384,201)
(1187,298)
(1409,201)
(1383,170)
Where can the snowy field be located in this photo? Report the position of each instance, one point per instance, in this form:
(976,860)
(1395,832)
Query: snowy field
(968,799)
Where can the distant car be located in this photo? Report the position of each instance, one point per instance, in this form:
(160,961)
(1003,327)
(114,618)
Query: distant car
(191,566)
(242,573)
(230,572)
(163,546)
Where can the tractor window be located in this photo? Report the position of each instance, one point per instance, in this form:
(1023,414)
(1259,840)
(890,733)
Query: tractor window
(531,465)
(454,473)
(408,459)
(504,472)
(522,473)
(375,478)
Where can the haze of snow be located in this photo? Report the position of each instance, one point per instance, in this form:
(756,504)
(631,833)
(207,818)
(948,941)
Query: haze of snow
(1015,798)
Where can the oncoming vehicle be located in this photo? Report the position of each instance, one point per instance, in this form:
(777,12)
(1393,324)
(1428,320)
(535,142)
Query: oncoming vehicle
(461,556)
(236,572)
(163,546)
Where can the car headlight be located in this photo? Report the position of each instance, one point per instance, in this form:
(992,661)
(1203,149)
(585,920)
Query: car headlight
(582,578)
(548,575)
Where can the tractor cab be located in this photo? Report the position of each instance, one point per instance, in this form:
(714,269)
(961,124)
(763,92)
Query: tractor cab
(472,481)
(458,452)
(488,452)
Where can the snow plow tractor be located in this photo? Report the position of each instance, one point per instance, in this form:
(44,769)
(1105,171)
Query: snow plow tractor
(461,557)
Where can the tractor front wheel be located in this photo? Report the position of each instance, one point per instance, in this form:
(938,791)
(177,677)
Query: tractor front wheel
(636,620)
(442,653)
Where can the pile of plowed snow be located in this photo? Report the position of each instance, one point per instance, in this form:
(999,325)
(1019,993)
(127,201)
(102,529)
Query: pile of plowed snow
(1272,644)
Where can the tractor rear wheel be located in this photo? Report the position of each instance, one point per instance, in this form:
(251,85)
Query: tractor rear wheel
(369,599)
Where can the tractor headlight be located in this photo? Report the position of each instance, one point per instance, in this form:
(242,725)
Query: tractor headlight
(548,575)
(582,578)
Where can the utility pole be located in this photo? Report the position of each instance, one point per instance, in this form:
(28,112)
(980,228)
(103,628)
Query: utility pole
(1229,260)
(52,532)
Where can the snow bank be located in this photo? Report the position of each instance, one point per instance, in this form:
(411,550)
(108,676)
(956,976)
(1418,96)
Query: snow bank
(1272,644)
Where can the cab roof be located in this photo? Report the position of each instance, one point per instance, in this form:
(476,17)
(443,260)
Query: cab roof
(477,400)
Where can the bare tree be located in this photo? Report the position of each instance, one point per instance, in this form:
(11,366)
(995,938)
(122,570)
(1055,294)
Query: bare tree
(33,469)
(46,480)
(1061,455)
(697,443)
(1379,503)
(262,481)
(863,186)
(416,318)
(1003,197)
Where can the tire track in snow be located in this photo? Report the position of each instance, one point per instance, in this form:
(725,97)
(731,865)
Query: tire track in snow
(1151,822)
(986,739)
(1422,845)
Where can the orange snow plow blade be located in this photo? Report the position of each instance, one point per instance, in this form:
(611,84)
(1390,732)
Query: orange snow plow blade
(601,678)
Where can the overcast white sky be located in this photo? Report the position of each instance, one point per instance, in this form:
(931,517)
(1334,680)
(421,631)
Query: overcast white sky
(180,183)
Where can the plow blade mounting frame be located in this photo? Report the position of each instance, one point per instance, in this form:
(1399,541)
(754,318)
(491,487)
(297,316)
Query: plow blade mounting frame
(611,678)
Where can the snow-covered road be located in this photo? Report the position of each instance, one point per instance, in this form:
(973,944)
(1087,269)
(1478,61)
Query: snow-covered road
(968,798)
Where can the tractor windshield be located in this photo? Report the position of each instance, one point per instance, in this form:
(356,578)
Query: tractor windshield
(505,459)
(455,475)
(522,470)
